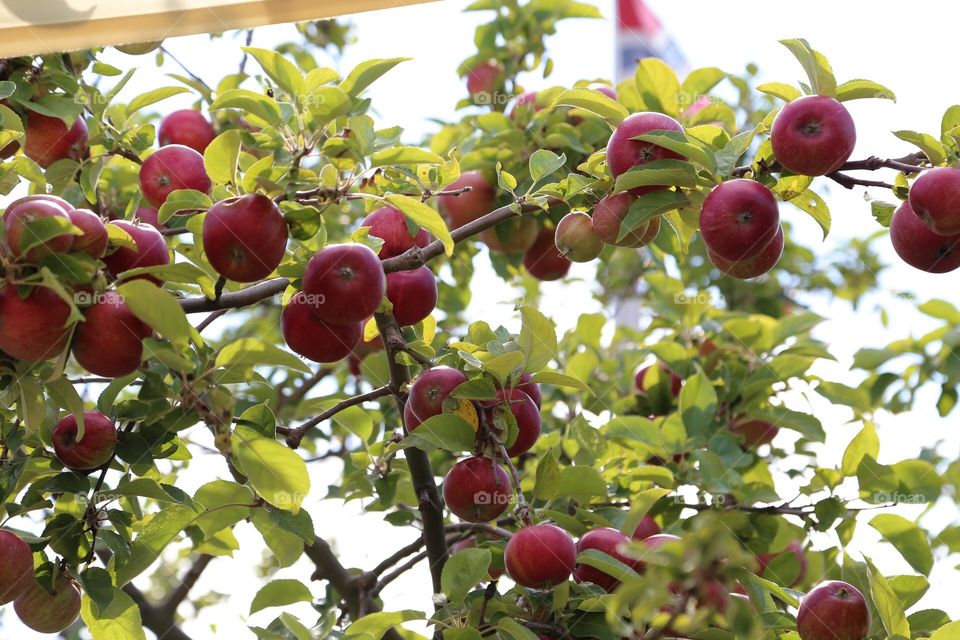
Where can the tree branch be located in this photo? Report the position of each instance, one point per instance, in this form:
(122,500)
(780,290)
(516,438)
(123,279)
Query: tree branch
(849,182)
(354,589)
(417,256)
(295,436)
(151,616)
(235,299)
(169,606)
(421,473)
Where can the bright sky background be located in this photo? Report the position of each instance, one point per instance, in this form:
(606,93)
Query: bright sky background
(908,50)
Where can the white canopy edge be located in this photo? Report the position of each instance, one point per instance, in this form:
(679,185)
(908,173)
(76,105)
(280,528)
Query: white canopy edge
(33,27)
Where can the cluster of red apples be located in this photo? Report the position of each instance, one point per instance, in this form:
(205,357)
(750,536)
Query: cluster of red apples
(37,607)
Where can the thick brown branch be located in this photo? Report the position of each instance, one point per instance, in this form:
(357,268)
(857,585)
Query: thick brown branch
(849,182)
(235,299)
(169,606)
(354,589)
(421,473)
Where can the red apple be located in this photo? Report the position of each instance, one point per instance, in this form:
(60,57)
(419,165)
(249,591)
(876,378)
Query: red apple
(245,238)
(576,239)
(833,610)
(624,153)
(470,205)
(345,283)
(764,559)
(16,566)
(603,88)
(17,220)
(753,433)
(47,612)
(413,295)
(519,234)
(738,219)
(49,139)
(151,250)
(527,415)
(172,168)
(33,328)
(754,266)
(543,260)
(712,594)
(48,197)
(410,420)
(532,389)
(813,135)
(150,216)
(312,338)
(676,382)
(653,542)
(109,342)
(477,489)
(390,225)
(484,80)
(608,217)
(96,447)
(935,197)
(94,240)
(609,541)
(646,528)
(186,127)
(920,247)
(431,388)
(540,556)
(526,101)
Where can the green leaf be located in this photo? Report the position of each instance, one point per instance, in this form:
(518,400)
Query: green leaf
(273,470)
(815,65)
(780,90)
(279,593)
(865,443)
(594,102)
(158,308)
(640,505)
(940,309)
(947,632)
(182,200)
(250,352)
(404,155)
(119,620)
(559,380)
(604,562)
(581,481)
(907,538)
(504,366)
(658,86)
(425,216)
(659,172)
(860,89)
(699,82)
(679,142)
(543,164)
(510,629)
(215,496)
(285,546)
(283,72)
(221,157)
(152,97)
(67,397)
(810,202)
(264,107)
(162,528)
(698,403)
(374,625)
(39,230)
(538,338)
(887,604)
(445,431)
(648,206)
(366,73)
(927,143)
(547,480)
(463,571)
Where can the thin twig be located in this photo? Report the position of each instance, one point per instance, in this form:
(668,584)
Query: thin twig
(295,436)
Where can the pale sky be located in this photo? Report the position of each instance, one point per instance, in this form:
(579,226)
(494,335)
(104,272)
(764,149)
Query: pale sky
(880,40)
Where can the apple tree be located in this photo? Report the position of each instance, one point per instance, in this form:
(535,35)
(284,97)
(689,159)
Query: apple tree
(648,474)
